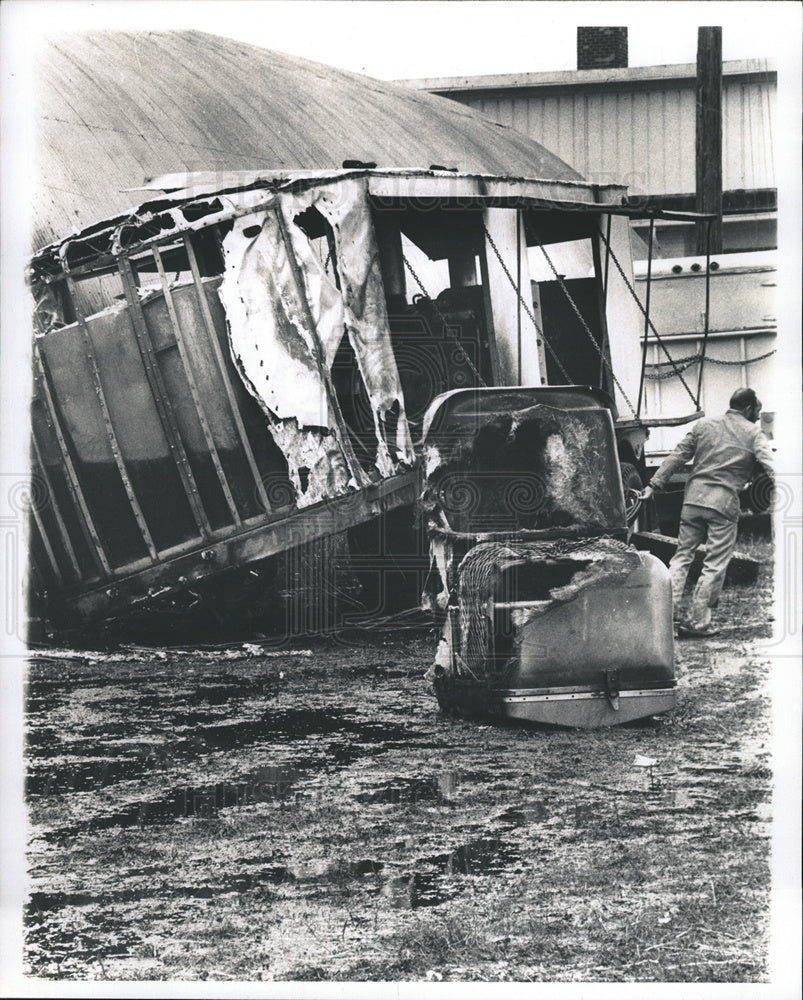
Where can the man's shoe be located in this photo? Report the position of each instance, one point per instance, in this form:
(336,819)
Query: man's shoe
(687,631)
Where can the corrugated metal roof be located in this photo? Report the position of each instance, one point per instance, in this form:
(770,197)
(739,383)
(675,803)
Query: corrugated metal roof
(116,108)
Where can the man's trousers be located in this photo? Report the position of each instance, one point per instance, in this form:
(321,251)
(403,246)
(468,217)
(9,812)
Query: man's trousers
(699,525)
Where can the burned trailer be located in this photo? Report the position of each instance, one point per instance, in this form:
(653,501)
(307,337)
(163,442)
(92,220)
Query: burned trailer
(231,372)
(195,426)
(551,616)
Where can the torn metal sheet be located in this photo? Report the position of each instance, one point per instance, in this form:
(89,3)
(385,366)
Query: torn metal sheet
(286,318)
(46,308)
(317,465)
(269,330)
(346,208)
(278,355)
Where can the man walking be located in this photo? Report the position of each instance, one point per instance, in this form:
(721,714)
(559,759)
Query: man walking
(724,451)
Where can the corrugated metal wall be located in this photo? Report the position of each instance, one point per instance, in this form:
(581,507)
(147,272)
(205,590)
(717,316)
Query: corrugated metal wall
(643,137)
(748,111)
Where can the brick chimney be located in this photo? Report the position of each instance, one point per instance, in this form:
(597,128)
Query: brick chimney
(602,48)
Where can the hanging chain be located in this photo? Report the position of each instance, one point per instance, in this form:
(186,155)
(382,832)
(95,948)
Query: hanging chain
(637,300)
(747,361)
(711,361)
(448,330)
(683,363)
(689,359)
(587,329)
(527,309)
(663,376)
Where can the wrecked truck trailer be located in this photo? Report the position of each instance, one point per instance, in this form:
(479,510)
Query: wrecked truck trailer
(235,370)
(551,616)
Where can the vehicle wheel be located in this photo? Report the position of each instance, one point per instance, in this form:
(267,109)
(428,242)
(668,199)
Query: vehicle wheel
(632,484)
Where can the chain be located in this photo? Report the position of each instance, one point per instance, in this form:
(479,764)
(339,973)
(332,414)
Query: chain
(663,376)
(637,300)
(711,361)
(587,329)
(527,309)
(747,361)
(448,330)
(682,364)
(675,361)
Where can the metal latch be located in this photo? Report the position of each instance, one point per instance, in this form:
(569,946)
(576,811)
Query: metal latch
(612,687)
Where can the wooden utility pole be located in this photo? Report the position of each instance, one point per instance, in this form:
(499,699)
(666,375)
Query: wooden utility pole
(709,135)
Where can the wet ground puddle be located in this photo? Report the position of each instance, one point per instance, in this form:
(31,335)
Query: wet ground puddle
(429,881)
(331,738)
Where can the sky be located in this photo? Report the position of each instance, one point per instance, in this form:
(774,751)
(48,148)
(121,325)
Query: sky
(398,39)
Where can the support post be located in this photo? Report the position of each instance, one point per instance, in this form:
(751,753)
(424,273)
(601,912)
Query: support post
(709,136)
(161,400)
(462,269)
(602,287)
(506,277)
(391,256)
(62,527)
(707,311)
(647,320)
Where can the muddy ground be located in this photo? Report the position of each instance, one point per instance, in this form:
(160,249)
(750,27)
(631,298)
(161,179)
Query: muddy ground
(307,813)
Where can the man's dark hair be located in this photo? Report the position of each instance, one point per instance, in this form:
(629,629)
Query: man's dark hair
(743,398)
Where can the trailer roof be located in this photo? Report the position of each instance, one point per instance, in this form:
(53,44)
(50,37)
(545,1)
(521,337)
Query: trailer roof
(118,108)
(184,202)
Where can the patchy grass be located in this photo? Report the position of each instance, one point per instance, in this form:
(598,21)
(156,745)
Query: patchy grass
(199,819)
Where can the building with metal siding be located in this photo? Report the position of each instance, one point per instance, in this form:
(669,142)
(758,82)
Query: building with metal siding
(636,126)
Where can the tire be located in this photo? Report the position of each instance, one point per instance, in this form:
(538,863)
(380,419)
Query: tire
(631,481)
